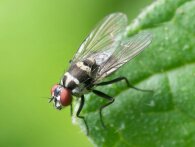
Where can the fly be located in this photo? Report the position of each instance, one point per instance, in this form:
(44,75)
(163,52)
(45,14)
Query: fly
(104,51)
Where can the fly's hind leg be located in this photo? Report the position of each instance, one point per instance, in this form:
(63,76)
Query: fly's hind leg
(109,98)
(120,79)
(78,113)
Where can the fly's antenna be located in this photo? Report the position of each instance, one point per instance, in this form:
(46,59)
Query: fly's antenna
(51,99)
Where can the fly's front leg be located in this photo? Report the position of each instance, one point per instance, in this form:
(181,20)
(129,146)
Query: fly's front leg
(120,79)
(71,111)
(78,113)
(103,95)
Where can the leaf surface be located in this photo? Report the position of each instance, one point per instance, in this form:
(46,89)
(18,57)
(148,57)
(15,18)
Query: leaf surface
(165,117)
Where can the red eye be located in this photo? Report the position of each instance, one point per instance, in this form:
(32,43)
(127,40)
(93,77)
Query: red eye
(65,97)
(53,88)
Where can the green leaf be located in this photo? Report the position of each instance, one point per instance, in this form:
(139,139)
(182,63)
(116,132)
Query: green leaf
(165,117)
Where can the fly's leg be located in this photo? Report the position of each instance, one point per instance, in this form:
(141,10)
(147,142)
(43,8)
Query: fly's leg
(78,113)
(71,111)
(109,98)
(120,79)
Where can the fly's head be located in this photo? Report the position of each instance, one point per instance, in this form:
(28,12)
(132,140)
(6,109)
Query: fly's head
(61,96)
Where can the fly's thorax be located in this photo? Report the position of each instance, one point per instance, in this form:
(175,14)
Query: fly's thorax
(91,63)
(69,81)
(80,73)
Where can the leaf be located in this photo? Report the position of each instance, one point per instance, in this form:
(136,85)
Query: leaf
(165,117)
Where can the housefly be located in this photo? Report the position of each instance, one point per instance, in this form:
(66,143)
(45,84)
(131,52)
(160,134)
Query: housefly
(104,51)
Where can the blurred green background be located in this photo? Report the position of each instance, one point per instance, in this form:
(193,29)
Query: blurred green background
(37,39)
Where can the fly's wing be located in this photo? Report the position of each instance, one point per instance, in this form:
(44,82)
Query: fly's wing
(125,51)
(103,40)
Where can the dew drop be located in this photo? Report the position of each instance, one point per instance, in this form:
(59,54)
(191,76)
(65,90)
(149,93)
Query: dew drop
(173,142)
(96,128)
(151,103)
(103,140)
(186,47)
(166,28)
(122,126)
(112,125)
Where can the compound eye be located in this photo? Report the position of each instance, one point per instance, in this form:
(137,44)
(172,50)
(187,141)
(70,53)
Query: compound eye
(53,88)
(65,97)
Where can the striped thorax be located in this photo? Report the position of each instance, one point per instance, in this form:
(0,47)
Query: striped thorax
(80,76)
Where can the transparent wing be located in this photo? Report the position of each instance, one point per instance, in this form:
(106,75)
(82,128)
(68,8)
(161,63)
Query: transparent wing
(126,50)
(103,39)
